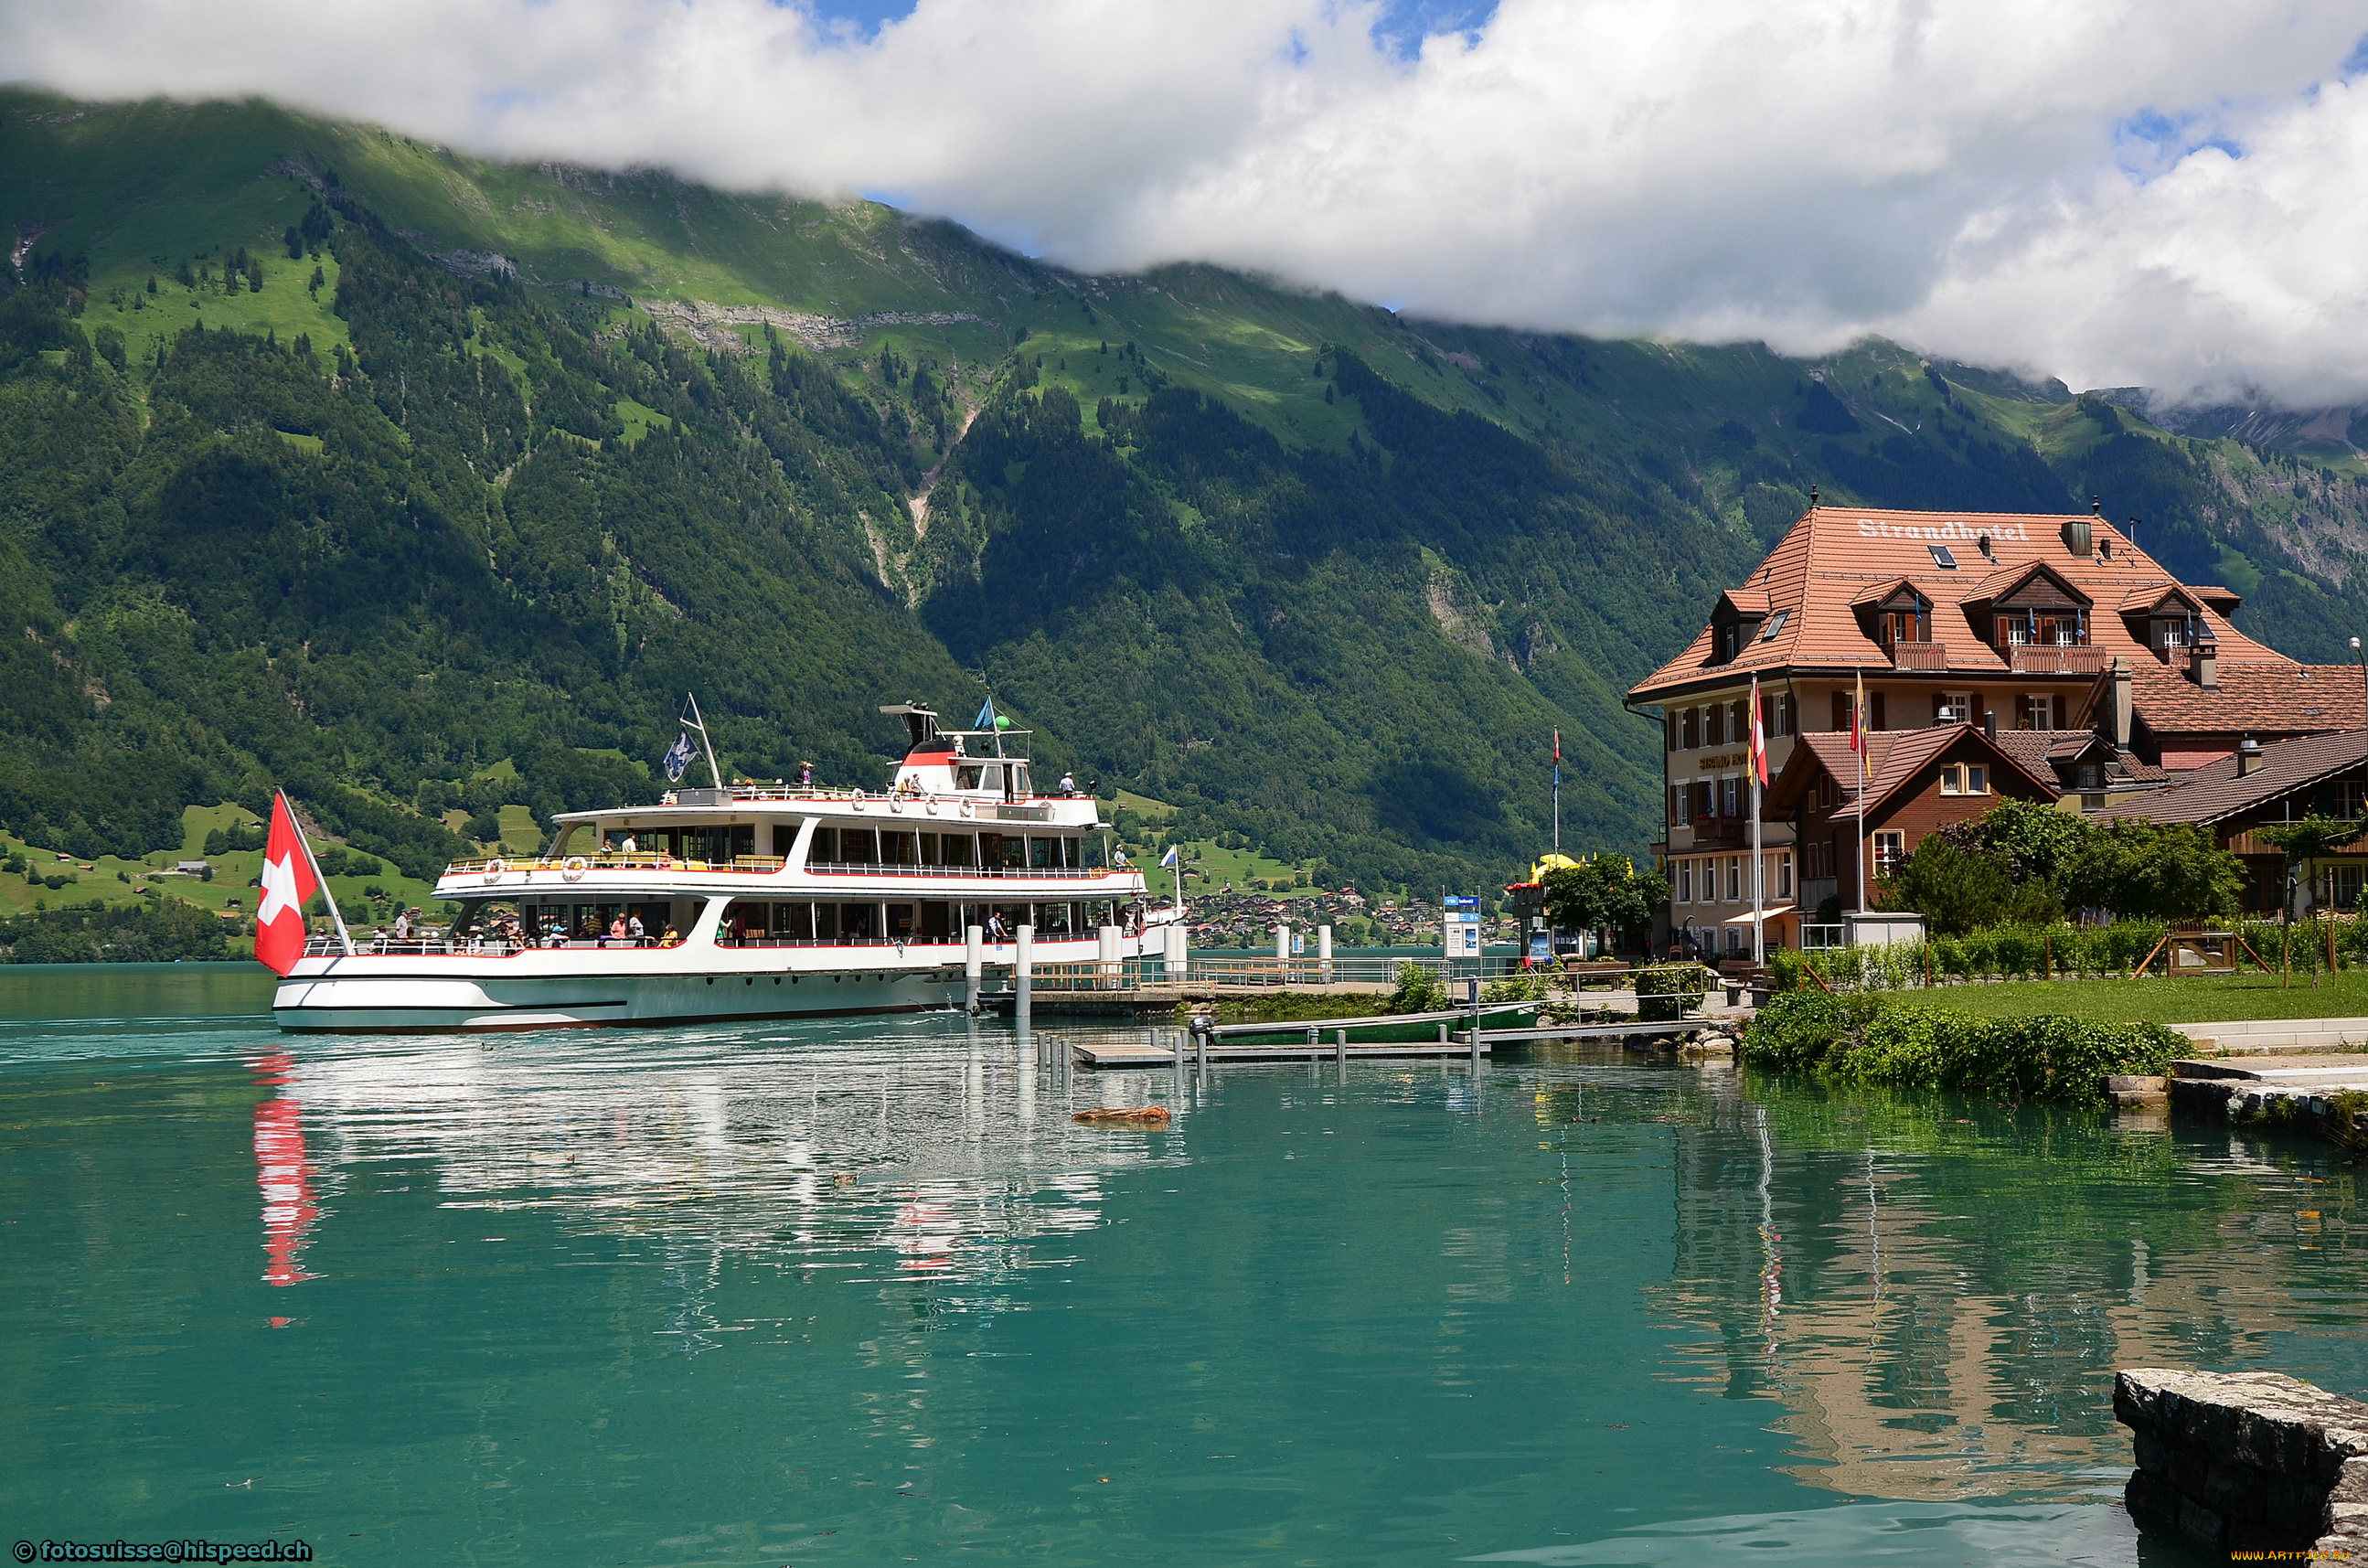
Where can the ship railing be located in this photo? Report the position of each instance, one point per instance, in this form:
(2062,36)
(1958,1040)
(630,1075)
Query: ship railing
(615,861)
(901,869)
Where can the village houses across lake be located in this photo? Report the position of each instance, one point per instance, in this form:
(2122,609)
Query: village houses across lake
(2042,655)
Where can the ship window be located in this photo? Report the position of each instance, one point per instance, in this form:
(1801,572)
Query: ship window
(901,921)
(958,849)
(794,922)
(857,845)
(782,839)
(824,849)
(1052,919)
(1007,850)
(936,921)
(858,922)
(990,775)
(1020,789)
(1044,852)
(931,853)
(966,778)
(825,923)
(898,849)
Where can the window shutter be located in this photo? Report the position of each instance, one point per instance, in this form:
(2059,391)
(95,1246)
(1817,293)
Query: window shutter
(2059,710)
(2023,713)
(1841,711)
(1875,702)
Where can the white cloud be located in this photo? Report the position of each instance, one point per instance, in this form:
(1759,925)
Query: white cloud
(1960,174)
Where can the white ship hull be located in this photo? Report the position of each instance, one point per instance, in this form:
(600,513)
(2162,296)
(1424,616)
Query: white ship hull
(578,988)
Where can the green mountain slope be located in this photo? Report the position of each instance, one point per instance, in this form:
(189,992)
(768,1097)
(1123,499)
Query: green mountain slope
(476,462)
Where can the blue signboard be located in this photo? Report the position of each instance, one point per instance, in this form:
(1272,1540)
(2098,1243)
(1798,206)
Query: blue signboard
(1461,901)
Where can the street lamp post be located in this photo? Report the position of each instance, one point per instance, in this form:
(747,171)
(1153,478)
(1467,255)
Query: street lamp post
(2362,657)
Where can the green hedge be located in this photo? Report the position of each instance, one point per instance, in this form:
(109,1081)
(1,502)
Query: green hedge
(1869,1038)
(2062,951)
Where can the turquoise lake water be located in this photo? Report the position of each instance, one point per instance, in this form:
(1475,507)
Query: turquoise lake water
(862,1293)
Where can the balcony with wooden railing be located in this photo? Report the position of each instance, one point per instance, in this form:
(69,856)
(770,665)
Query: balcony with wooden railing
(1920,656)
(2056,659)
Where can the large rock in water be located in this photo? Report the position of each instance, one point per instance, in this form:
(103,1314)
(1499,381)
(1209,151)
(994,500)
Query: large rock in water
(2241,1461)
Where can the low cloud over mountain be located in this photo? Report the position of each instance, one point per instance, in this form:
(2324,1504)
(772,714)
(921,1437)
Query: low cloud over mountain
(2168,194)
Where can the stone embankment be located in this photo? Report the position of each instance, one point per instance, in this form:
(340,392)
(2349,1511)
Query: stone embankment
(2248,1462)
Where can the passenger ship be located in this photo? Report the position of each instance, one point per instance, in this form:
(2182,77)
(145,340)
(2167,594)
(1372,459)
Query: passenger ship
(754,902)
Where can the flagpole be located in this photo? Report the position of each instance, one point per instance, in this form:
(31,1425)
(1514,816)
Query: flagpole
(318,879)
(1759,866)
(1558,791)
(708,746)
(1865,749)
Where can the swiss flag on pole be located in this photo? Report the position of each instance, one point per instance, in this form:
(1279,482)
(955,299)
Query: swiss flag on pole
(288,887)
(1759,738)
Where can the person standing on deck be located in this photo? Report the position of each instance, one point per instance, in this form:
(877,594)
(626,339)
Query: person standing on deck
(635,929)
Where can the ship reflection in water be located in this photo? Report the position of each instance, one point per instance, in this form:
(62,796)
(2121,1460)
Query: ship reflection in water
(282,1171)
(804,1147)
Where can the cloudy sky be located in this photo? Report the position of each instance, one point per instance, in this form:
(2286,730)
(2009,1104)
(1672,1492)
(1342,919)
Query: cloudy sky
(2173,194)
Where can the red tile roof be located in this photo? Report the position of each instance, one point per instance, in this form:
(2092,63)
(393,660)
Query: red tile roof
(2271,697)
(2214,792)
(1899,757)
(1835,554)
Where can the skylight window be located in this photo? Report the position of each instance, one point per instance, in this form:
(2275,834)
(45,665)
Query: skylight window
(1775,624)
(1942,557)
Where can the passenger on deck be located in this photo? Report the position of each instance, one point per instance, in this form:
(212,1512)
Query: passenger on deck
(1068,783)
(633,930)
(995,928)
(671,940)
(805,776)
(403,926)
(617,929)
(630,846)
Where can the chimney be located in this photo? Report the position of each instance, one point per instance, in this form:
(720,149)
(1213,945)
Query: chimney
(2076,535)
(1989,724)
(2122,706)
(1989,551)
(2205,660)
(2249,758)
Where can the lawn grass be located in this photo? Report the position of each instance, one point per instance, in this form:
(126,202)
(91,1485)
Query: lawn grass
(2197,1000)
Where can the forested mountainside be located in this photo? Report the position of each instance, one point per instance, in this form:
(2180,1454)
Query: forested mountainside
(417,482)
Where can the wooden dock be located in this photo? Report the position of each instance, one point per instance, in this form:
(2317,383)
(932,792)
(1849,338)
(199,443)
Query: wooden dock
(1146,1053)
(1143,1053)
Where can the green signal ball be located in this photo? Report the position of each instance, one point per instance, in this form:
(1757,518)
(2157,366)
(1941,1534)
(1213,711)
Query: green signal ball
(1001,722)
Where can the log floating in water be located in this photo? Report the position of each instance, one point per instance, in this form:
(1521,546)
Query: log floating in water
(1140,1116)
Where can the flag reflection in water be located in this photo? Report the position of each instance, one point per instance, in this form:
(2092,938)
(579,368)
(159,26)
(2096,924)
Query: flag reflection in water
(282,1171)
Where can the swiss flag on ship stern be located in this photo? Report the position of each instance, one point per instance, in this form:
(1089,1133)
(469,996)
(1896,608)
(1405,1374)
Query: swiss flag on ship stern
(287,886)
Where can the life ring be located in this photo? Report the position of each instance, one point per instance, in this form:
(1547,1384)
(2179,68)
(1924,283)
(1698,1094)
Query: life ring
(930,806)
(857,802)
(895,806)
(968,810)
(493,870)
(574,866)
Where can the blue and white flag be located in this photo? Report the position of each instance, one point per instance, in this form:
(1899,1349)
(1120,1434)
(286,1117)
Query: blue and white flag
(678,757)
(986,720)
(1168,861)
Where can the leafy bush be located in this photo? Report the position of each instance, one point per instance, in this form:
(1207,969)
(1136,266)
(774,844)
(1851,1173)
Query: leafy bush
(1666,990)
(1419,990)
(1872,1038)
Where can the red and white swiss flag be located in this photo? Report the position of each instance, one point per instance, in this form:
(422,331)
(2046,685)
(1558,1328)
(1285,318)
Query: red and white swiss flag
(288,887)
